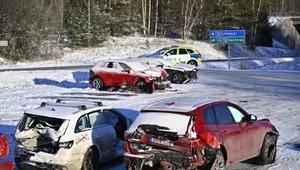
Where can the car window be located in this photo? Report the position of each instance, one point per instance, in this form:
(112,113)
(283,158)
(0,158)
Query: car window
(209,116)
(190,50)
(82,124)
(182,51)
(237,115)
(172,52)
(223,114)
(110,65)
(97,119)
(124,66)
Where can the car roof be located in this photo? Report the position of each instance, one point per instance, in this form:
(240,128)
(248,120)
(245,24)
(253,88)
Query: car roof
(185,104)
(62,110)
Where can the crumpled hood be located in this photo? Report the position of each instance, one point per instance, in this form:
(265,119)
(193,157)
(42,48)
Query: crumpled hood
(185,67)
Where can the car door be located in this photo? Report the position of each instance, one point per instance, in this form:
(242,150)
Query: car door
(123,75)
(103,134)
(230,132)
(183,55)
(110,75)
(250,132)
(171,56)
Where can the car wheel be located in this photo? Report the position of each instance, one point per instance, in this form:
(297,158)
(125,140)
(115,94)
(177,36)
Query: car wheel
(219,162)
(193,62)
(140,83)
(178,78)
(268,151)
(90,160)
(98,83)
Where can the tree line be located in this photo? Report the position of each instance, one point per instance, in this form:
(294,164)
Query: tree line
(34,28)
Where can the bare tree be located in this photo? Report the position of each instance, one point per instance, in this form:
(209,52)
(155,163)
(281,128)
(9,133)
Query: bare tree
(189,18)
(144,16)
(149,18)
(156,18)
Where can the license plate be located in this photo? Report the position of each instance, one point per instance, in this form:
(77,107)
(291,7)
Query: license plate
(161,141)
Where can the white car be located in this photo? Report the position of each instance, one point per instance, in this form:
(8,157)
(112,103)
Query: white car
(70,135)
(178,74)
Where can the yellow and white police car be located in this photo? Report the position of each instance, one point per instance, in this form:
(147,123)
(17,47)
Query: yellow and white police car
(176,55)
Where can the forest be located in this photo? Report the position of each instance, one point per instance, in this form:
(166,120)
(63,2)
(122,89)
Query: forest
(35,28)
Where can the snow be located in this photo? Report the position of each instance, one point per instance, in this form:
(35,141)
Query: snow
(27,89)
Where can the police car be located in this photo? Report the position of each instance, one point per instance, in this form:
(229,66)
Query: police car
(176,55)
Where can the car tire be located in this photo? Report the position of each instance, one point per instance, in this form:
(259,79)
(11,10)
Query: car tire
(90,160)
(268,151)
(193,62)
(98,83)
(219,162)
(178,78)
(140,83)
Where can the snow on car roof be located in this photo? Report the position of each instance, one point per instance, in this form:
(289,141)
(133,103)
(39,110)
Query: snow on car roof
(184,104)
(58,110)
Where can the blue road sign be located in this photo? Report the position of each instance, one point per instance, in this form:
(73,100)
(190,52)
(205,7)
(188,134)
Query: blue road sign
(227,33)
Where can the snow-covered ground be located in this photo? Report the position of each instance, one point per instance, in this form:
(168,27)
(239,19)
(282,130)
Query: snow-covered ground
(278,102)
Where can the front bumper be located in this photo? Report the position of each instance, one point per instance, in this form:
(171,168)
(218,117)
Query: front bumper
(160,85)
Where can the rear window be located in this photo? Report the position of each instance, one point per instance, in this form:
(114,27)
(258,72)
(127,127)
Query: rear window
(41,122)
(191,51)
(173,121)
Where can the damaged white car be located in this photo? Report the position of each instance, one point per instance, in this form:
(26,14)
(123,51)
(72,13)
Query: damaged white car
(70,135)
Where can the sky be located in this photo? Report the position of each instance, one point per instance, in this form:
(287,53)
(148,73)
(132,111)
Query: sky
(27,89)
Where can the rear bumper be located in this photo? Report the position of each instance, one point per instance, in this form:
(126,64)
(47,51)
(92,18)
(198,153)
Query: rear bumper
(42,161)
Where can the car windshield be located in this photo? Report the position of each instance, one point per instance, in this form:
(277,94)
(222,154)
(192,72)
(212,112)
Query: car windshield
(179,123)
(161,51)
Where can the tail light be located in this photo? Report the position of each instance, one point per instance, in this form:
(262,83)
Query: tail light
(163,73)
(66,145)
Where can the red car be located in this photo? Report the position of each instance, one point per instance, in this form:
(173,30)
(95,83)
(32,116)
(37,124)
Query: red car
(191,133)
(4,150)
(110,73)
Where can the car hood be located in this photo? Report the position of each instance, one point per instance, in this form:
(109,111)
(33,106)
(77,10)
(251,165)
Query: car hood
(185,67)
(154,72)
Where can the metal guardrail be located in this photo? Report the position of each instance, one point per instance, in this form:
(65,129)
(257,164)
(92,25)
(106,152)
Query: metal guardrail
(88,66)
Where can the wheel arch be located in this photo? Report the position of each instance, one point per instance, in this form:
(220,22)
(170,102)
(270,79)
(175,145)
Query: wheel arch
(223,149)
(192,59)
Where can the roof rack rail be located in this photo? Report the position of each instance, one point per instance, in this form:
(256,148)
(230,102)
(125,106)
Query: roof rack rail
(83,107)
(59,100)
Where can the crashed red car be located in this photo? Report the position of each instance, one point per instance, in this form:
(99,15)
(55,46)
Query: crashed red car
(115,73)
(191,133)
(4,151)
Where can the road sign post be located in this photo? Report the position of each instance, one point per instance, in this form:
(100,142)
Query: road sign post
(228,37)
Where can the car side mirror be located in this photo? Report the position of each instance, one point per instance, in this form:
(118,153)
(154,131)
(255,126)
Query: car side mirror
(127,70)
(168,54)
(252,118)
